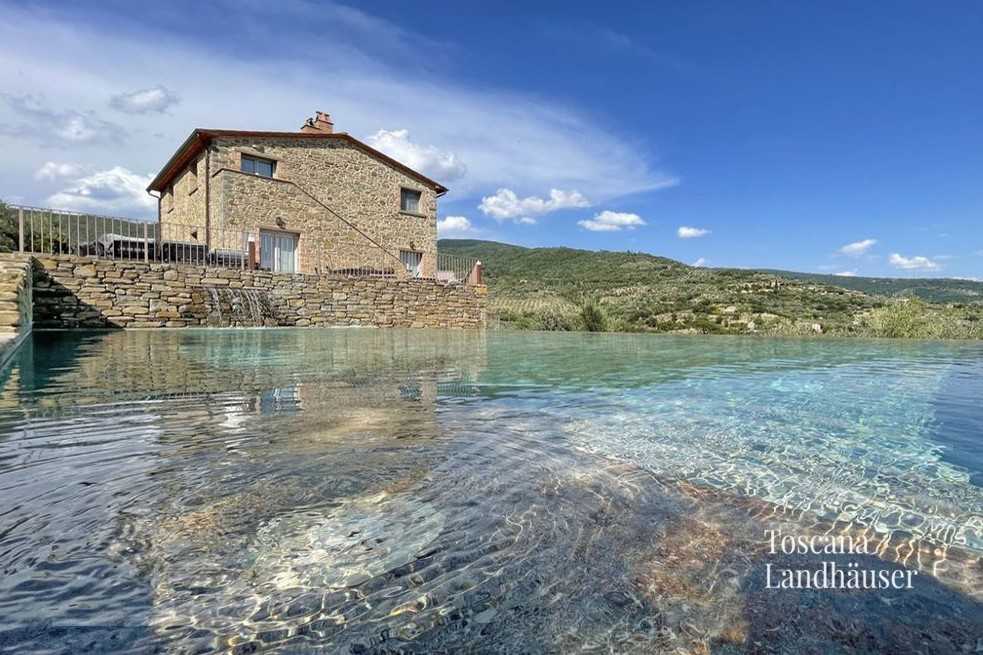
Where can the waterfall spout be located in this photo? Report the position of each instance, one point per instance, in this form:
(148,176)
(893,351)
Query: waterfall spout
(238,307)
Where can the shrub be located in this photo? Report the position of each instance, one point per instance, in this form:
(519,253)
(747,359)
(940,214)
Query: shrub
(900,320)
(910,318)
(552,320)
(593,317)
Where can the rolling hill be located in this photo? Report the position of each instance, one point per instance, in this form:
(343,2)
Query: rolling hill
(937,290)
(548,288)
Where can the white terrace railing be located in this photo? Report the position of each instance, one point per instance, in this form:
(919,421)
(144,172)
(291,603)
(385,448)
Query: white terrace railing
(455,269)
(43,231)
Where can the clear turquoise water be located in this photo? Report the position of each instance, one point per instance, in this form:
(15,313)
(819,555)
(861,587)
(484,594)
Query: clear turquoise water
(413,491)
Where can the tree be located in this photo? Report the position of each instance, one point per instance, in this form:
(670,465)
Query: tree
(9,234)
(593,316)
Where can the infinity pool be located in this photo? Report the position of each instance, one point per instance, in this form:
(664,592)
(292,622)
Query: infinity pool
(371,491)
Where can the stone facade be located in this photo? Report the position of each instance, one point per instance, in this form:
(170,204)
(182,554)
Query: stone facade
(74,292)
(182,205)
(363,228)
(15,302)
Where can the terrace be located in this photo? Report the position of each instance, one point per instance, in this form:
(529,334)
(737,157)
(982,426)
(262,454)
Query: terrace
(47,231)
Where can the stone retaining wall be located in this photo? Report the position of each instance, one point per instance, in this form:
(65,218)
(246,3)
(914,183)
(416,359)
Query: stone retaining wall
(71,292)
(15,302)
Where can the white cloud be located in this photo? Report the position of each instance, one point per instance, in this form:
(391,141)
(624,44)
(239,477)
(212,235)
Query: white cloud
(46,126)
(370,74)
(700,263)
(429,160)
(609,221)
(52,170)
(846,274)
(156,99)
(857,247)
(505,204)
(685,232)
(454,226)
(116,191)
(916,263)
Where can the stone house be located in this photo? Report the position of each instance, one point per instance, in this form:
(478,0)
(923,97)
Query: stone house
(310,201)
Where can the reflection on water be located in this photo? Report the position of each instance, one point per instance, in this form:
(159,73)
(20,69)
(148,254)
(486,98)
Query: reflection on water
(414,491)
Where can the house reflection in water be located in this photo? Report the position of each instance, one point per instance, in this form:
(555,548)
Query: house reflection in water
(194,384)
(238,490)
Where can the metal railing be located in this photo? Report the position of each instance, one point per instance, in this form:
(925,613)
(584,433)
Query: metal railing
(357,254)
(52,231)
(197,246)
(369,261)
(43,231)
(455,269)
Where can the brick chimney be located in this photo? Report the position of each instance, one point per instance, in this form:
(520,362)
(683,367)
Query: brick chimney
(320,123)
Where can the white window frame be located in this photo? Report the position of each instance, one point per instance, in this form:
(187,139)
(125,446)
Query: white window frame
(419,200)
(270,240)
(415,270)
(243,158)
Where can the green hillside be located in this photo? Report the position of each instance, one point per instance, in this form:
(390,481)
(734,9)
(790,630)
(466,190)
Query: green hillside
(566,288)
(937,290)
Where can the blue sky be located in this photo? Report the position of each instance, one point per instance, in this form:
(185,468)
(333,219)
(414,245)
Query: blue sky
(841,138)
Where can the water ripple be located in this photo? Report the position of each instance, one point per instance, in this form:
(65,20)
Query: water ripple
(412,491)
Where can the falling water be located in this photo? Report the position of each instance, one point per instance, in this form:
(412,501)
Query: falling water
(238,307)
(216,302)
(259,305)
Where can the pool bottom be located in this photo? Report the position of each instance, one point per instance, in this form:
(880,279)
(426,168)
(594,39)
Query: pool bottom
(595,555)
(411,492)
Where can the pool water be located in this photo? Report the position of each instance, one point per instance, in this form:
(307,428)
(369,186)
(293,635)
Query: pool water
(376,491)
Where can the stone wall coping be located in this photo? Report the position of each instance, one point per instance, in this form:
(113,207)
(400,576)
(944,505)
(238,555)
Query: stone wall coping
(206,270)
(70,291)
